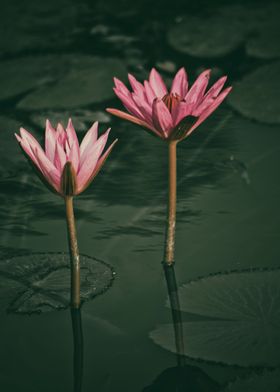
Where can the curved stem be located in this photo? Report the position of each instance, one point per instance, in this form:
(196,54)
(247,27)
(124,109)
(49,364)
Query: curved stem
(74,253)
(171,209)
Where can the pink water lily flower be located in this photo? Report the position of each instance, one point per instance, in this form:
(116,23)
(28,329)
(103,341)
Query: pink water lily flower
(64,165)
(170,114)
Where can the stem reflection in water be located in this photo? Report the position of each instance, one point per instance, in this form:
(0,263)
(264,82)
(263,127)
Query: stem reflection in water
(168,262)
(78,348)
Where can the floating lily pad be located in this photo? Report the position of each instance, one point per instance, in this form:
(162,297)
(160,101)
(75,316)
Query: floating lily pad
(244,328)
(264,42)
(81,118)
(90,81)
(268,381)
(40,282)
(256,96)
(213,35)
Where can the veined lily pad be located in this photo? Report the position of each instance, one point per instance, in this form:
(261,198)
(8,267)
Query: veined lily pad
(268,381)
(244,328)
(90,81)
(40,282)
(256,95)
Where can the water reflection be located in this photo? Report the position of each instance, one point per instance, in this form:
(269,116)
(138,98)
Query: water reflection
(78,352)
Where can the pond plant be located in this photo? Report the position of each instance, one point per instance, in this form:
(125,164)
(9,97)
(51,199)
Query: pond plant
(67,168)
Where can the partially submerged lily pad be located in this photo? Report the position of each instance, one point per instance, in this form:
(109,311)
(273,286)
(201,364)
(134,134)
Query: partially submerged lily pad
(268,381)
(244,328)
(256,95)
(213,35)
(89,81)
(40,282)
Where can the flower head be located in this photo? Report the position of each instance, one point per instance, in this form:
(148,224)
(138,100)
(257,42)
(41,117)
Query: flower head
(170,114)
(65,166)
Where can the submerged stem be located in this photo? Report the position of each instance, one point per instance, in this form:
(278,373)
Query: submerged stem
(171,209)
(74,253)
(169,271)
(78,348)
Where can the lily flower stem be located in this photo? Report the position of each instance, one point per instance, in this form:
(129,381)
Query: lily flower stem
(78,348)
(168,263)
(74,253)
(171,209)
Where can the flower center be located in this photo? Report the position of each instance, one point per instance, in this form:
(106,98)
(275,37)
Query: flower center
(172,100)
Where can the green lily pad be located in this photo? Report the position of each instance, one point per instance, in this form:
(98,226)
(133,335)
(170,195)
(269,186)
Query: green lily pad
(256,95)
(89,81)
(244,328)
(268,381)
(213,35)
(40,282)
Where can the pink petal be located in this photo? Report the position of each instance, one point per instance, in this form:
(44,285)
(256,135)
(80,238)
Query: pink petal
(60,135)
(150,94)
(89,138)
(157,84)
(180,111)
(27,149)
(144,107)
(129,117)
(91,159)
(71,134)
(99,165)
(50,141)
(121,87)
(161,117)
(195,94)
(136,86)
(180,83)
(210,96)
(129,104)
(210,109)
(48,170)
(30,139)
(59,157)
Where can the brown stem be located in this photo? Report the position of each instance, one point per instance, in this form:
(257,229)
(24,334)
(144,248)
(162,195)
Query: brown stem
(74,253)
(171,211)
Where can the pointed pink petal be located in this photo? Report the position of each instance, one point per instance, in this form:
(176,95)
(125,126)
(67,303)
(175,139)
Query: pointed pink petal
(30,139)
(59,157)
(210,109)
(180,111)
(150,94)
(195,94)
(210,96)
(91,159)
(27,149)
(50,141)
(161,117)
(60,135)
(89,138)
(129,104)
(157,84)
(97,168)
(180,83)
(71,134)
(48,170)
(129,117)
(144,107)
(137,87)
(121,87)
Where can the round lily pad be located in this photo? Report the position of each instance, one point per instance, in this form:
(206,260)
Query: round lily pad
(267,381)
(89,81)
(263,43)
(40,282)
(213,35)
(256,96)
(241,324)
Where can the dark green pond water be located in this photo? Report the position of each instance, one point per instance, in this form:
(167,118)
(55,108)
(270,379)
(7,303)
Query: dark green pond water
(58,59)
